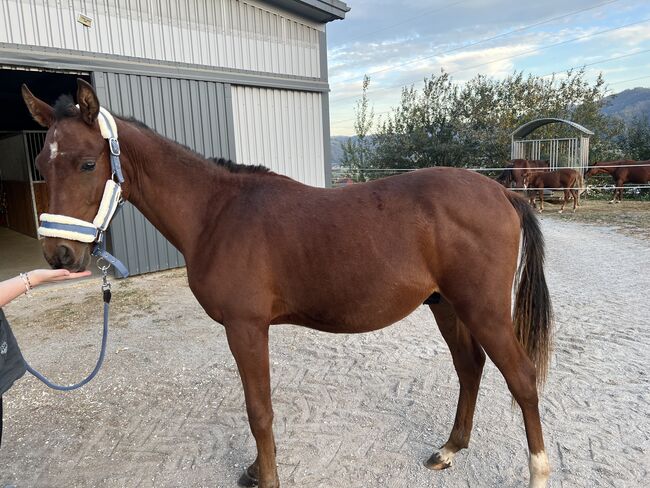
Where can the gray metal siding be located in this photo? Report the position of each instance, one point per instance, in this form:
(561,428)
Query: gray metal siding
(235,34)
(193,113)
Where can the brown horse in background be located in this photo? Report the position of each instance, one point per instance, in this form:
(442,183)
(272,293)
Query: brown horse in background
(264,249)
(519,169)
(630,171)
(561,179)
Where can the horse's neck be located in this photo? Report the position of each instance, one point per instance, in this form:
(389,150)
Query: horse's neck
(172,187)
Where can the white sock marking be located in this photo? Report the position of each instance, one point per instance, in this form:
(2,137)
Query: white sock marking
(446,455)
(539,470)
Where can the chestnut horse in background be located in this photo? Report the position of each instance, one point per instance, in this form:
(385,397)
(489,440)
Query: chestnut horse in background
(622,171)
(560,179)
(518,169)
(264,249)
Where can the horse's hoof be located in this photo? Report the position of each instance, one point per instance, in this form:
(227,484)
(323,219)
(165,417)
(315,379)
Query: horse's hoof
(248,479)
(611,201)
(439,461)
(560,211)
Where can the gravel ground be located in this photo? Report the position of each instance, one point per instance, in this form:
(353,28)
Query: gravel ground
(351,411)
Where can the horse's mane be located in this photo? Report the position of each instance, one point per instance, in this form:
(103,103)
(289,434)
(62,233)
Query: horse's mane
(239,168)
(65,108)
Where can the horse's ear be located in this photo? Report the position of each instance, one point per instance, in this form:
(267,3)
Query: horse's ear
(88,102)
(41,111)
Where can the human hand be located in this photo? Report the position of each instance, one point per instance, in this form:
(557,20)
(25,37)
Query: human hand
(40,276)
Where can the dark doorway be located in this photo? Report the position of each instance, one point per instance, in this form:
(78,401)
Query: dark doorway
(22,191)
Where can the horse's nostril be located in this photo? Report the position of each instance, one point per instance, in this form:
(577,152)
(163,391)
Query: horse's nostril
(64,255)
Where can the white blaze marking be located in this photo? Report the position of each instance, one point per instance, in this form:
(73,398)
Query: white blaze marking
(54,149)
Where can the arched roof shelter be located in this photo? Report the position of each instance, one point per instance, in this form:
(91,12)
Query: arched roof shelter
(572,152)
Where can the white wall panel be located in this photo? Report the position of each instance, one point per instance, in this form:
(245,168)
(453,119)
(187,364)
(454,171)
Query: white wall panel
(236,34)
(280,129)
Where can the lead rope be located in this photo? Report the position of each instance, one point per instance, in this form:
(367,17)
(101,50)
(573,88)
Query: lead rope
(106,294)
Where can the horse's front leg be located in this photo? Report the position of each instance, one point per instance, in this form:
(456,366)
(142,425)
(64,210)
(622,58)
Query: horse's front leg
(249,343)
(619,191)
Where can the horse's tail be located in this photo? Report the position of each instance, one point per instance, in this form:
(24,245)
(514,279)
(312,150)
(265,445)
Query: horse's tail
(533,315)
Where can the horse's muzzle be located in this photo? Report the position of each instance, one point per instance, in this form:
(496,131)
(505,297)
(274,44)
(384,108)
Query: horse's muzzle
(70,255)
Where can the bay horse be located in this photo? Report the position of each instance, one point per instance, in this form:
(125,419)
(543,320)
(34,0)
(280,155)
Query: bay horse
(564,179)
(264,249)
(622,171)
(518,169)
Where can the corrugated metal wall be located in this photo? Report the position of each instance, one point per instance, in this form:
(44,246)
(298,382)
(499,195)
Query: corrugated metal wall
(281,129)
(235,34)
(193,113)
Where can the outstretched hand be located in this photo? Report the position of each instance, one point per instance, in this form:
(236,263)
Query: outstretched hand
(16,286)
(40,276)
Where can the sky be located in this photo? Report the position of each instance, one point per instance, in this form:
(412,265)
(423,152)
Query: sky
(400,43)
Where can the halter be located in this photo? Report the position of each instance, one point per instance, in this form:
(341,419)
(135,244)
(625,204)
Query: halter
(53,225)
(71,228)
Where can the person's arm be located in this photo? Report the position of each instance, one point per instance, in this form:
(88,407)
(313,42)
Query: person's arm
(15,287)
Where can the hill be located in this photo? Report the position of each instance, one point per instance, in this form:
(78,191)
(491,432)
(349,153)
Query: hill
(337,151)
(629,104)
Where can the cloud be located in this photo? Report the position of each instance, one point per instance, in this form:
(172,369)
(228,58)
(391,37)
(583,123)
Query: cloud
(632,36)
(400,44)
(492,61)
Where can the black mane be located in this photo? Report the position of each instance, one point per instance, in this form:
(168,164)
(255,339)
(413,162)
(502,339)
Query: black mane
(65,108)
(239,168)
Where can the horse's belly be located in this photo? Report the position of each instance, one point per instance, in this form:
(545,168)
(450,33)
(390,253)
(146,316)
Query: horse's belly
(357,314)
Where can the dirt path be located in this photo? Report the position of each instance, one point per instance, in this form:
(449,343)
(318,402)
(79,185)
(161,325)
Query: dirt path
(351,411)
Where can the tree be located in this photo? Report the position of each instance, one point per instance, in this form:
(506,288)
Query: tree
(637,139)
(357,151)
(469,125)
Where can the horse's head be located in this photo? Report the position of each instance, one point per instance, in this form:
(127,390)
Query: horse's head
(505,177)
(75,164)
(596,169)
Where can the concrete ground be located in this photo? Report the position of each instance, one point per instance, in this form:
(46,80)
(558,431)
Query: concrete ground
(353,411)
(18,253)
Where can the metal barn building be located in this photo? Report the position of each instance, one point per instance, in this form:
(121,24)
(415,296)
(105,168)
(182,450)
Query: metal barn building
(242,79)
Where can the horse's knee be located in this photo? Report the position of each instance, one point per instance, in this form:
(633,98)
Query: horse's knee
(261,422)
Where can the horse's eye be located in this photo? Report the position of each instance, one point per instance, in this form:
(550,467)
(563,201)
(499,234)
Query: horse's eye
(88,166)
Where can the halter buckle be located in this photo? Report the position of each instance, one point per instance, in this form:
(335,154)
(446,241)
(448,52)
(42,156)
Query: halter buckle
(114,146)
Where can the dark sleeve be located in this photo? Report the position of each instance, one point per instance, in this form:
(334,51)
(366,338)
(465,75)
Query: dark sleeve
(12,364)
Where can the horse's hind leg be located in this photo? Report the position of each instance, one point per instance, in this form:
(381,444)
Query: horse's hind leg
(495,332)
(576,199)
(566,199)
(468,357)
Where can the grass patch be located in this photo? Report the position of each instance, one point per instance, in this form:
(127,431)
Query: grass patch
(629,217)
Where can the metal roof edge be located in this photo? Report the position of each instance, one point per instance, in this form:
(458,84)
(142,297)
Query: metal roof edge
(317,10)
(528,127)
